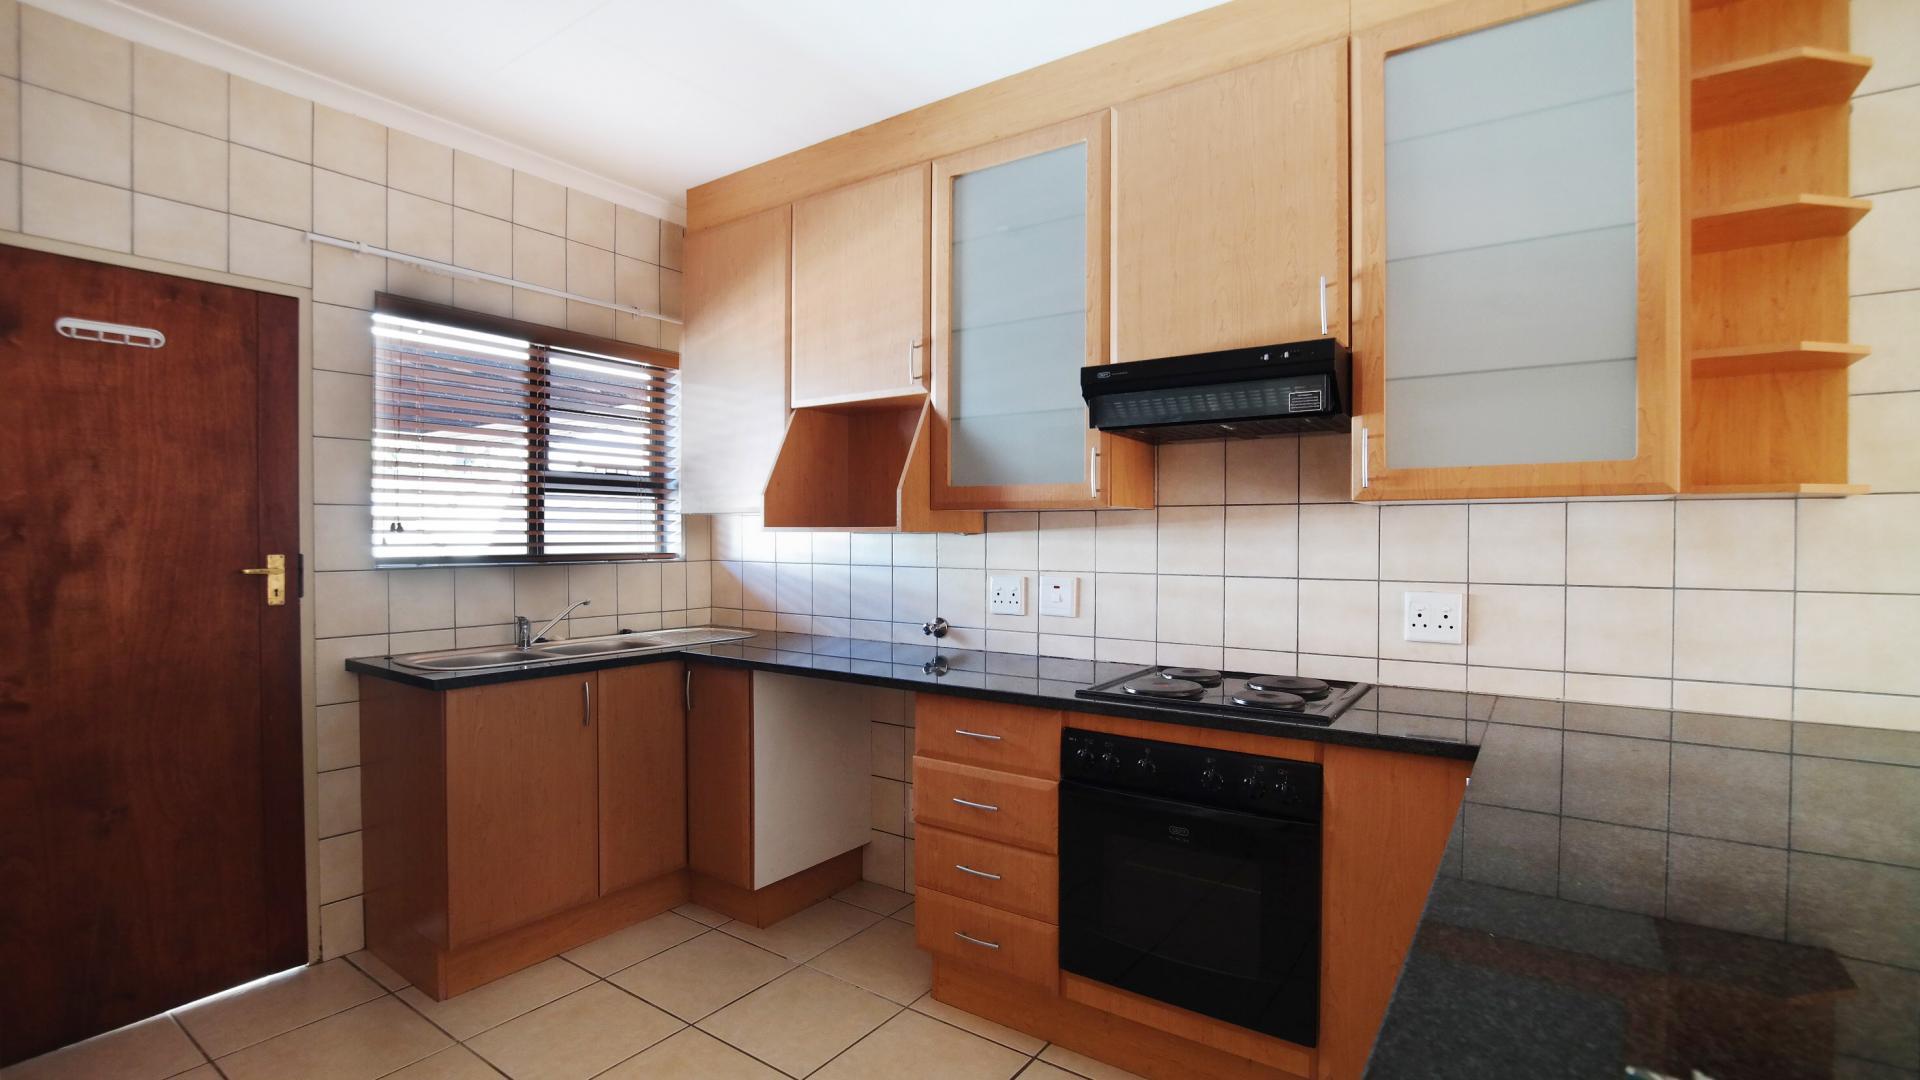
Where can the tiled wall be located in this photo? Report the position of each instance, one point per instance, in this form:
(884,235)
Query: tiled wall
(130,149)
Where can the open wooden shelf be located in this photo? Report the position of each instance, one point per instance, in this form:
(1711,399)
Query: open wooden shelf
(1783,356)
(1776,221)
(1703,5)
(1776,489)
(859,468)
(1783,81)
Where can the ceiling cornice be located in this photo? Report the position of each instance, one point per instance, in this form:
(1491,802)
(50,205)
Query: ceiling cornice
(139,26)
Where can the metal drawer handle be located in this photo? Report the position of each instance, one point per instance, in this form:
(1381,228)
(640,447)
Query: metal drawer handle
(975,805)
(976,873)
(970,939)
(976,735)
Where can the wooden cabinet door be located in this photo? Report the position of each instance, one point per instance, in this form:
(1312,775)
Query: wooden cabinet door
(643,773)
(720,774)
(860,292)
(522,842)
(1518,237)
(1230,209)
(733,361)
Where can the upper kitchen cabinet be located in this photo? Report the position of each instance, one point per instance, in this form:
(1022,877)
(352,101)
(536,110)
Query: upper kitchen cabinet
(733,361)
(860,292)
(1019,307)
(1230,209)
(1518,250)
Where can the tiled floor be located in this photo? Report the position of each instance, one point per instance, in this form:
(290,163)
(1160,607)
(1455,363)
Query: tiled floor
(837,992)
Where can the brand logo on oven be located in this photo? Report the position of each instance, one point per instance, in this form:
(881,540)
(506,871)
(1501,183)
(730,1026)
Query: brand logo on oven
(1178,832)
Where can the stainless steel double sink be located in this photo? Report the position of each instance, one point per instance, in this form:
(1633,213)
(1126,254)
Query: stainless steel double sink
(594,648)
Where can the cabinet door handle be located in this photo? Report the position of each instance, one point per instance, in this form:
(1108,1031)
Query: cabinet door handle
(913,360)
(687,690)
(586,703)
(1363,456)
(971,940)
(1323,305)
(1093,471)
(964,868)
(977,805)
(976,735)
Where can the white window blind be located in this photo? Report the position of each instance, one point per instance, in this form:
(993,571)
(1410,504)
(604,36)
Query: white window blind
(490,446)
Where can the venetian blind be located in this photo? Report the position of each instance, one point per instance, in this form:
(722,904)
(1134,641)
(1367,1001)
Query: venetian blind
(488,447)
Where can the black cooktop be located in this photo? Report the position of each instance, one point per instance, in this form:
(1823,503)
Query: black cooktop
(1244,694)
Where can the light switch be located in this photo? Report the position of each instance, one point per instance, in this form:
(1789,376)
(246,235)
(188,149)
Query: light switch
(1059,595)
(1007,594)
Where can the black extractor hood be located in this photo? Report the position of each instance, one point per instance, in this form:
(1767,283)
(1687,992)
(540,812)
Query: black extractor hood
(1286,389)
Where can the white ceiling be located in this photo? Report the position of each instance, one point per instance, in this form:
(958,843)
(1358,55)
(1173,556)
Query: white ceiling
(659,95)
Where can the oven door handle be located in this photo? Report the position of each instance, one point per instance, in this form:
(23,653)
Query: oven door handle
(1136,802)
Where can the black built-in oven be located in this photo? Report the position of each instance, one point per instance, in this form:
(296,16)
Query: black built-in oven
(1192,876)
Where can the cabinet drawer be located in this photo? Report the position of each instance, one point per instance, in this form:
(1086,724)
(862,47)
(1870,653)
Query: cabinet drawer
(1019,810)
(1009,878)
(1013,945)
(1010,737)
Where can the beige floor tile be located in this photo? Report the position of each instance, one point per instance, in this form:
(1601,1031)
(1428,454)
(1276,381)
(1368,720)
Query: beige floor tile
(581,1035)
(691,1055)
(882,958)
(288,1001)
(1084,1065)
(148,1050)
(1040,1070)
(980,1025)
(924,1048)
(874,897)
(364,1042)
(204,1072)
(702,915)
(691,980)
(629,945)
(465,1015)
(799,1021)
(377,969)
(453,1063)
(807,934)
(905,915)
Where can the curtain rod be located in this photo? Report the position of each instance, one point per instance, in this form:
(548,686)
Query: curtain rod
(480,275)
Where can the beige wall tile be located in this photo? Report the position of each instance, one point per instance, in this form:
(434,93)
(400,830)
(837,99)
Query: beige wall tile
(536,307)
(1261,541)
(9,195)
(1734,543)
(347,277)
(333,683)
(349,144)
(178,91)
(176,232)
(272,252)
(1881,441)
(1127,606)
(267,119)
(1890,323)
(482,186)
(342,405)
(337,735)
(342,341)
(1900,712)
(1190,609)
(1868,543)
(482,243)
(349,209)
(1013,540)
(590,220)
(489,297)
(423,599)
(1876,25)
(339,867)
(69,135)
(268,187)
(1635,693)
(589,271)
(349,602)
(636,235)
(539,204)
(1325,468)
(589,318)
(10,38)
(1882,256)
(63,208)
(419,226)
(1516,626)
(1620,543)
(1262,613)
(1620,631)
(342,538)
(1847,641)
(1339,618)
(1191,473)
(1517,682)
(1423,543)
(1263,470)
(1729,636)
(670,306)
(181,165)
(339,802)
(1732,699)
(342,928)
(419,166)
(539,258)
(1881,153)
(342,471)
(63,55)
(419,283)
(672,240)
(1521,543)
(636,284)
(1191,540)
(10,119)
(1340,541)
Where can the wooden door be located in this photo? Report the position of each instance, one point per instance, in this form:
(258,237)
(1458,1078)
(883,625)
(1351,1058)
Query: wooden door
(522,841)
(1230,209)
(151,811)
(1525,321)
(860,292)
(720,774)
(1013,258)
(733,361)
(643,773)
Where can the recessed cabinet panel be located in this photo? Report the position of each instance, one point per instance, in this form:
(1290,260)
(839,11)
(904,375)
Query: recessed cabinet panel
(1510,177)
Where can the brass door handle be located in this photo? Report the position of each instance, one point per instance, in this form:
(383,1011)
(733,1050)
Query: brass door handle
(276,574)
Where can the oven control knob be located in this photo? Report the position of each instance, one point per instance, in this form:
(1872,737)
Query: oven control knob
(1109,758)
(1211,778)
(1143,766)
(1282,787)
(1255,782)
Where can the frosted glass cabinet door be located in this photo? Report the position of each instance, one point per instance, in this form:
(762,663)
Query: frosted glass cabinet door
(1519,254)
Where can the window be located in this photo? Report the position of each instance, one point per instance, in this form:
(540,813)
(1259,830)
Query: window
(499,441)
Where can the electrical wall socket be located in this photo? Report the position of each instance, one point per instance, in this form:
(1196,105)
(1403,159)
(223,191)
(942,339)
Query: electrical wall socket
(1007,594)
(1435,616)
(1059,595)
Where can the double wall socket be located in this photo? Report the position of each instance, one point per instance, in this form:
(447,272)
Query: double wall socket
(1007,594)
(1435,616)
